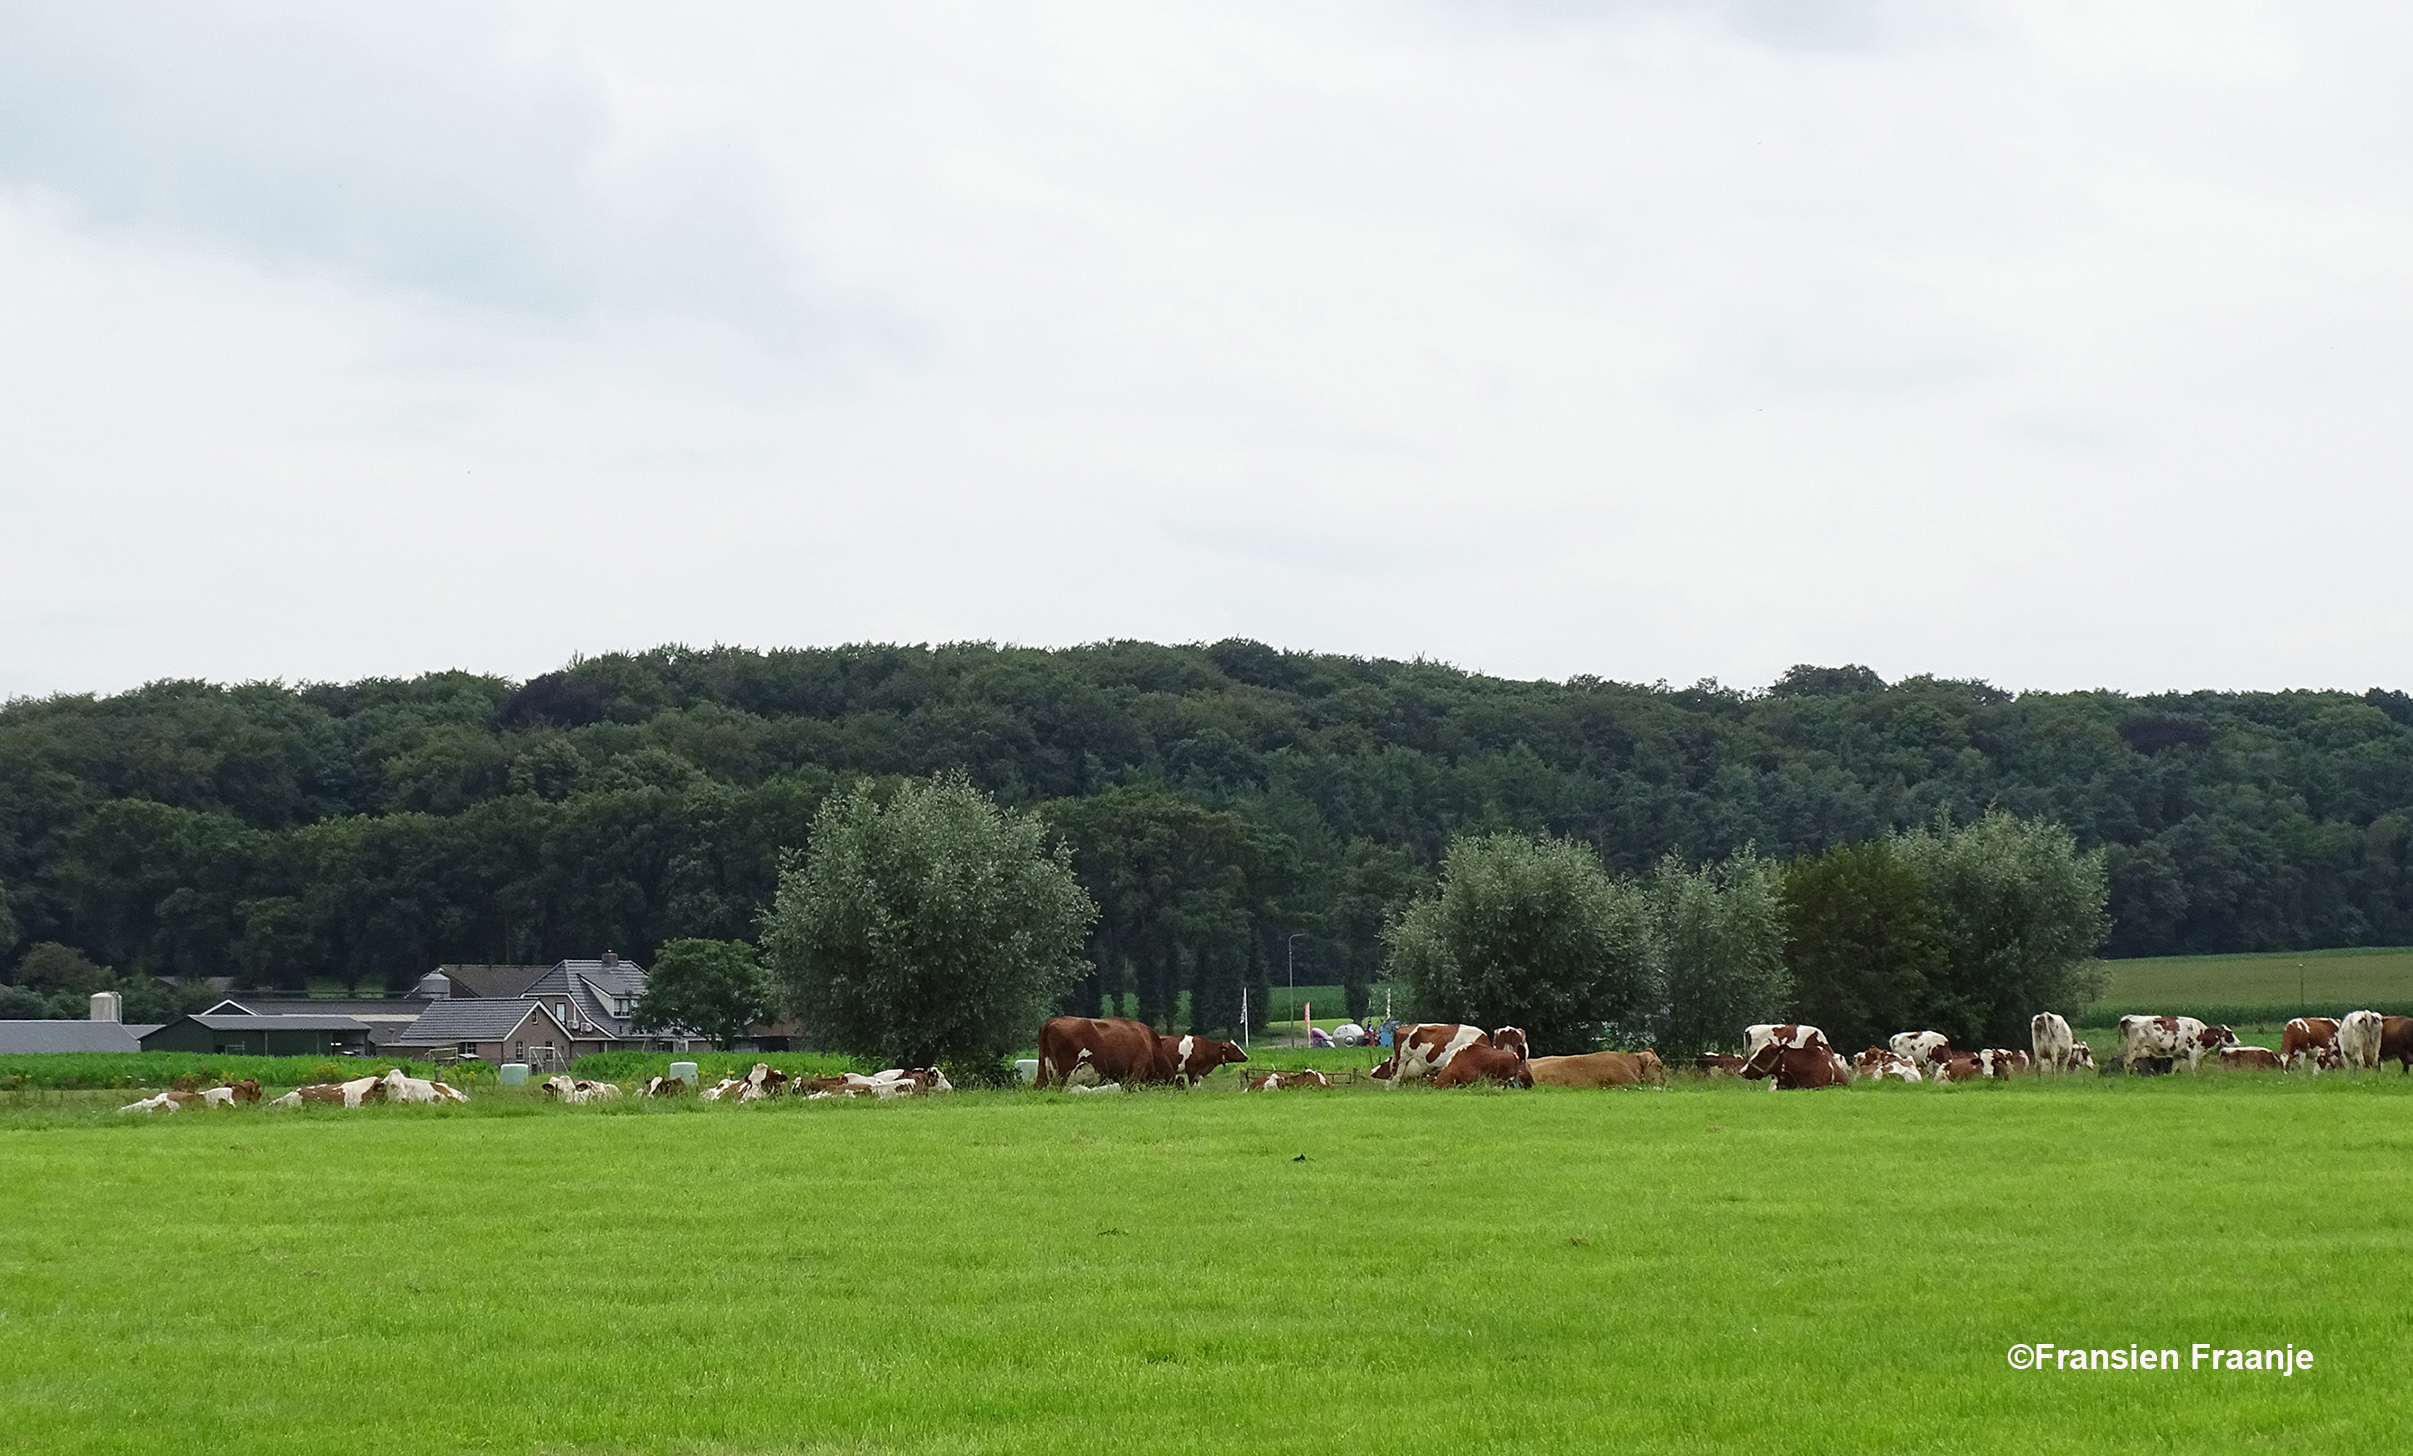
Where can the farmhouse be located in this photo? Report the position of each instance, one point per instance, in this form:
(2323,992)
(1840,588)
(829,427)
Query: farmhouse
(541,1015)
(496,1032)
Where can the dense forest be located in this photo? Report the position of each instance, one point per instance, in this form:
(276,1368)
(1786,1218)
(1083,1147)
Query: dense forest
(1226,805)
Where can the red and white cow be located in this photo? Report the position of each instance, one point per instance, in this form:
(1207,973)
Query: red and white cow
(663,1087)
(2050,1037)
(164,1102)
(1276,1081)
(2359,1035)
(2081,1057)
(2003,1062)
(1922,1047)
(1794,1034)
(2176,1037)
(1420,1049)
(1790,1067)
(1880,1063)
(2251,1059)
(1189,1059)
(2303,1039)
(1951,1066)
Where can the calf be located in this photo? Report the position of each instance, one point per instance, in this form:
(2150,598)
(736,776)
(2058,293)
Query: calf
(2359,1034)
(663,1087)
(2050,1036)
(2081,1055)
(1921,1047)
(2251,1059)
(1790,1067)
(1718,1064)
(1599,1069)
(1276,1081)
(2303,1038)
(1880,1063)
(1484,1064)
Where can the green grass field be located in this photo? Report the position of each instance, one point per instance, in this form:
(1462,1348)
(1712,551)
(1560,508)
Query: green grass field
(1712,1267)
(2284,983)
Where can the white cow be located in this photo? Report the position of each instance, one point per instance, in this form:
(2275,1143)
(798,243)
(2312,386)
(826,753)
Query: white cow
(578,1091)
(399,1088)
(2358,1040)
(2050,1036)
(164,1102)
(1922,1047)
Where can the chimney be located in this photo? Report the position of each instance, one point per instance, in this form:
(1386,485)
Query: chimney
(610,960)
(435,985)
(108,1006)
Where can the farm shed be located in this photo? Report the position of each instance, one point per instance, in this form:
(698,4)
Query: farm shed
(261,1036)
(34,1038)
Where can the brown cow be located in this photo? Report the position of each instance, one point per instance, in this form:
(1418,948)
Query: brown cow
(1189,1059)
(1798,1066)
(1484,1064)
(2396,1040)
(2305,1037)
(1599,1069)
(1094,1049)
(1276,1081)
(2251,1059)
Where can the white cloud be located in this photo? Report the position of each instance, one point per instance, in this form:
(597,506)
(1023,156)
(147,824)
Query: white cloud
(2052,344)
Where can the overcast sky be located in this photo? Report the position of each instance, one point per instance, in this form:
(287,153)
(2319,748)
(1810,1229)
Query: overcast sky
(2058,345)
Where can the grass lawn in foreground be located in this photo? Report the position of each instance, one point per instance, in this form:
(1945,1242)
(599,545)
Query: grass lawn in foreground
(1712,1267)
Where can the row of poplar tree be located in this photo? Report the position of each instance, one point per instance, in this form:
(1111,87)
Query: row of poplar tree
(928,926)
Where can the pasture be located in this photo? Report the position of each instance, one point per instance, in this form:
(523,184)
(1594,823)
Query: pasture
(2262,987)
(1707,1267)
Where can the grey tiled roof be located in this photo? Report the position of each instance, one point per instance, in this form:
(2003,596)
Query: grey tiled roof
(449,1021)
(492,982)
(41,1037)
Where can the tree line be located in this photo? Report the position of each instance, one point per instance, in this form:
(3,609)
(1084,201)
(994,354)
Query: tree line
(1213,802)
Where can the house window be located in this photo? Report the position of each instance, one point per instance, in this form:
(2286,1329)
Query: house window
(468,1048)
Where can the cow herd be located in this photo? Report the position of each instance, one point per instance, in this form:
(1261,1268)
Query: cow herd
(1084,1054)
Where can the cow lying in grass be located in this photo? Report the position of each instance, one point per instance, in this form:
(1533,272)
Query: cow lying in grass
(1599,1069)
(663,1087)
(1485,1064)
(1276,1081)
(225,1094)
(578,1091)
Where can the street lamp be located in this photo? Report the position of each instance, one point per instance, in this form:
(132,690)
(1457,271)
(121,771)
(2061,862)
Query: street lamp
(1290,964)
